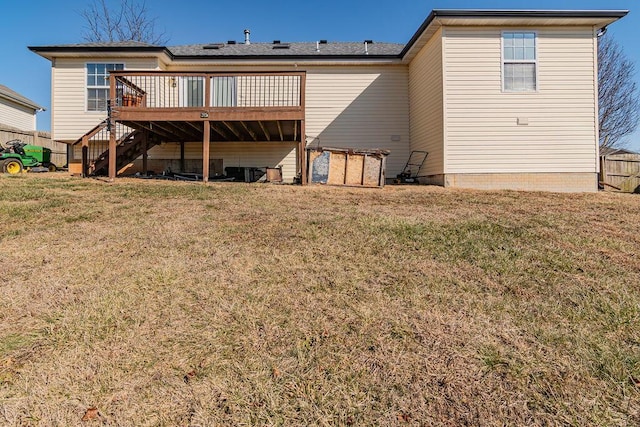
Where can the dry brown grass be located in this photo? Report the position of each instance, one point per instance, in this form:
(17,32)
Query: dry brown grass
(185,304)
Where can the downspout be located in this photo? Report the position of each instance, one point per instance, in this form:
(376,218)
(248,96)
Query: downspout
(597,32)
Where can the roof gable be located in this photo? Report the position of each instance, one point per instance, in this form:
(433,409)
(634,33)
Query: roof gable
(498,17)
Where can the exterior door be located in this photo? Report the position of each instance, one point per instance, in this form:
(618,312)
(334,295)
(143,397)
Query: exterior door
(224,91)
(191,91)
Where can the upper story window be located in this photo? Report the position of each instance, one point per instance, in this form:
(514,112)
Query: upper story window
(98,85)
(519,62)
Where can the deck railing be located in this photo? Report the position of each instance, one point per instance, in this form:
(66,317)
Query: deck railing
(92,146)
(159,90)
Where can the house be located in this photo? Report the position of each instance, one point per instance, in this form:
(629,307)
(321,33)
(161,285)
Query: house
(500,99)
(18,121)
(17,111)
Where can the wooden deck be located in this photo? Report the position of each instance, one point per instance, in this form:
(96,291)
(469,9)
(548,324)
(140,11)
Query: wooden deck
(208,108)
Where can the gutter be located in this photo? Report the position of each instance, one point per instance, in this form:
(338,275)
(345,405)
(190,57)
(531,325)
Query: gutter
(284,57)
(46,49)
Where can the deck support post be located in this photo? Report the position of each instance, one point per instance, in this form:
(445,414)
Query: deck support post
(182,157)
(206,130)
(85,156)
(303,129)
(112,152)
(112,130)
(302,150)
(145,154)
(206,140)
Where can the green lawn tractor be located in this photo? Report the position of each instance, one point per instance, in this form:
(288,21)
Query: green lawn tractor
(17,156)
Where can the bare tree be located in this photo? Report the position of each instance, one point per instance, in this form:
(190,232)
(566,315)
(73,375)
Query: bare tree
(619,99)
(129,21)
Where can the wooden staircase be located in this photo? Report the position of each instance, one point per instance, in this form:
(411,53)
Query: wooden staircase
(129,148)
(130,145)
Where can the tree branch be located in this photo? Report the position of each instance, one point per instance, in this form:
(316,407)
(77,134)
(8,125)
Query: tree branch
(130,22)
(618,96)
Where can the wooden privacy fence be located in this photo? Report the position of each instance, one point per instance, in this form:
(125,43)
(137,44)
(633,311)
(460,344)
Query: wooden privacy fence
(621,172)
(42,139)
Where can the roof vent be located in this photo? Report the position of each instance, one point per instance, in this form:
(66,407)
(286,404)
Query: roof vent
(276,42)
(213,46)
(231,42)
(366,46)
(247,33)
(323,42)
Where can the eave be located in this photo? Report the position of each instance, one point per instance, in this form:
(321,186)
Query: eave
(52,52)
(23,102)
(506,18)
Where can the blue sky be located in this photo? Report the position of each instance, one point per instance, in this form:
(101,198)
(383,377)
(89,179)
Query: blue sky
(40,22)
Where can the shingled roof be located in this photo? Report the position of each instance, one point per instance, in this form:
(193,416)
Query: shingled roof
(229,50)
(14,96)
(297,49)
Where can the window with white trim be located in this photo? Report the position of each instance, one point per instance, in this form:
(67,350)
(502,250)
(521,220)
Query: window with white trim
(98,85)
(519,62)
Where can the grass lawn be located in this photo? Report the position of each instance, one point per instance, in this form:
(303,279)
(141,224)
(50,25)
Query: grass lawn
(180,304)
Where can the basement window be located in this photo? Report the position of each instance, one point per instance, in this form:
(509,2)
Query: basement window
(519,62)
(98,85)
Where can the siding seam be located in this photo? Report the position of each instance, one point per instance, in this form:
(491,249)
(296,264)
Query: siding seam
(596,100)
(445,129)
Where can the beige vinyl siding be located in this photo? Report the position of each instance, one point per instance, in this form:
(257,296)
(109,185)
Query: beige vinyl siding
(360,107)
(426,105)
(236,154)
(16,115)
(482,130)
(70,118)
